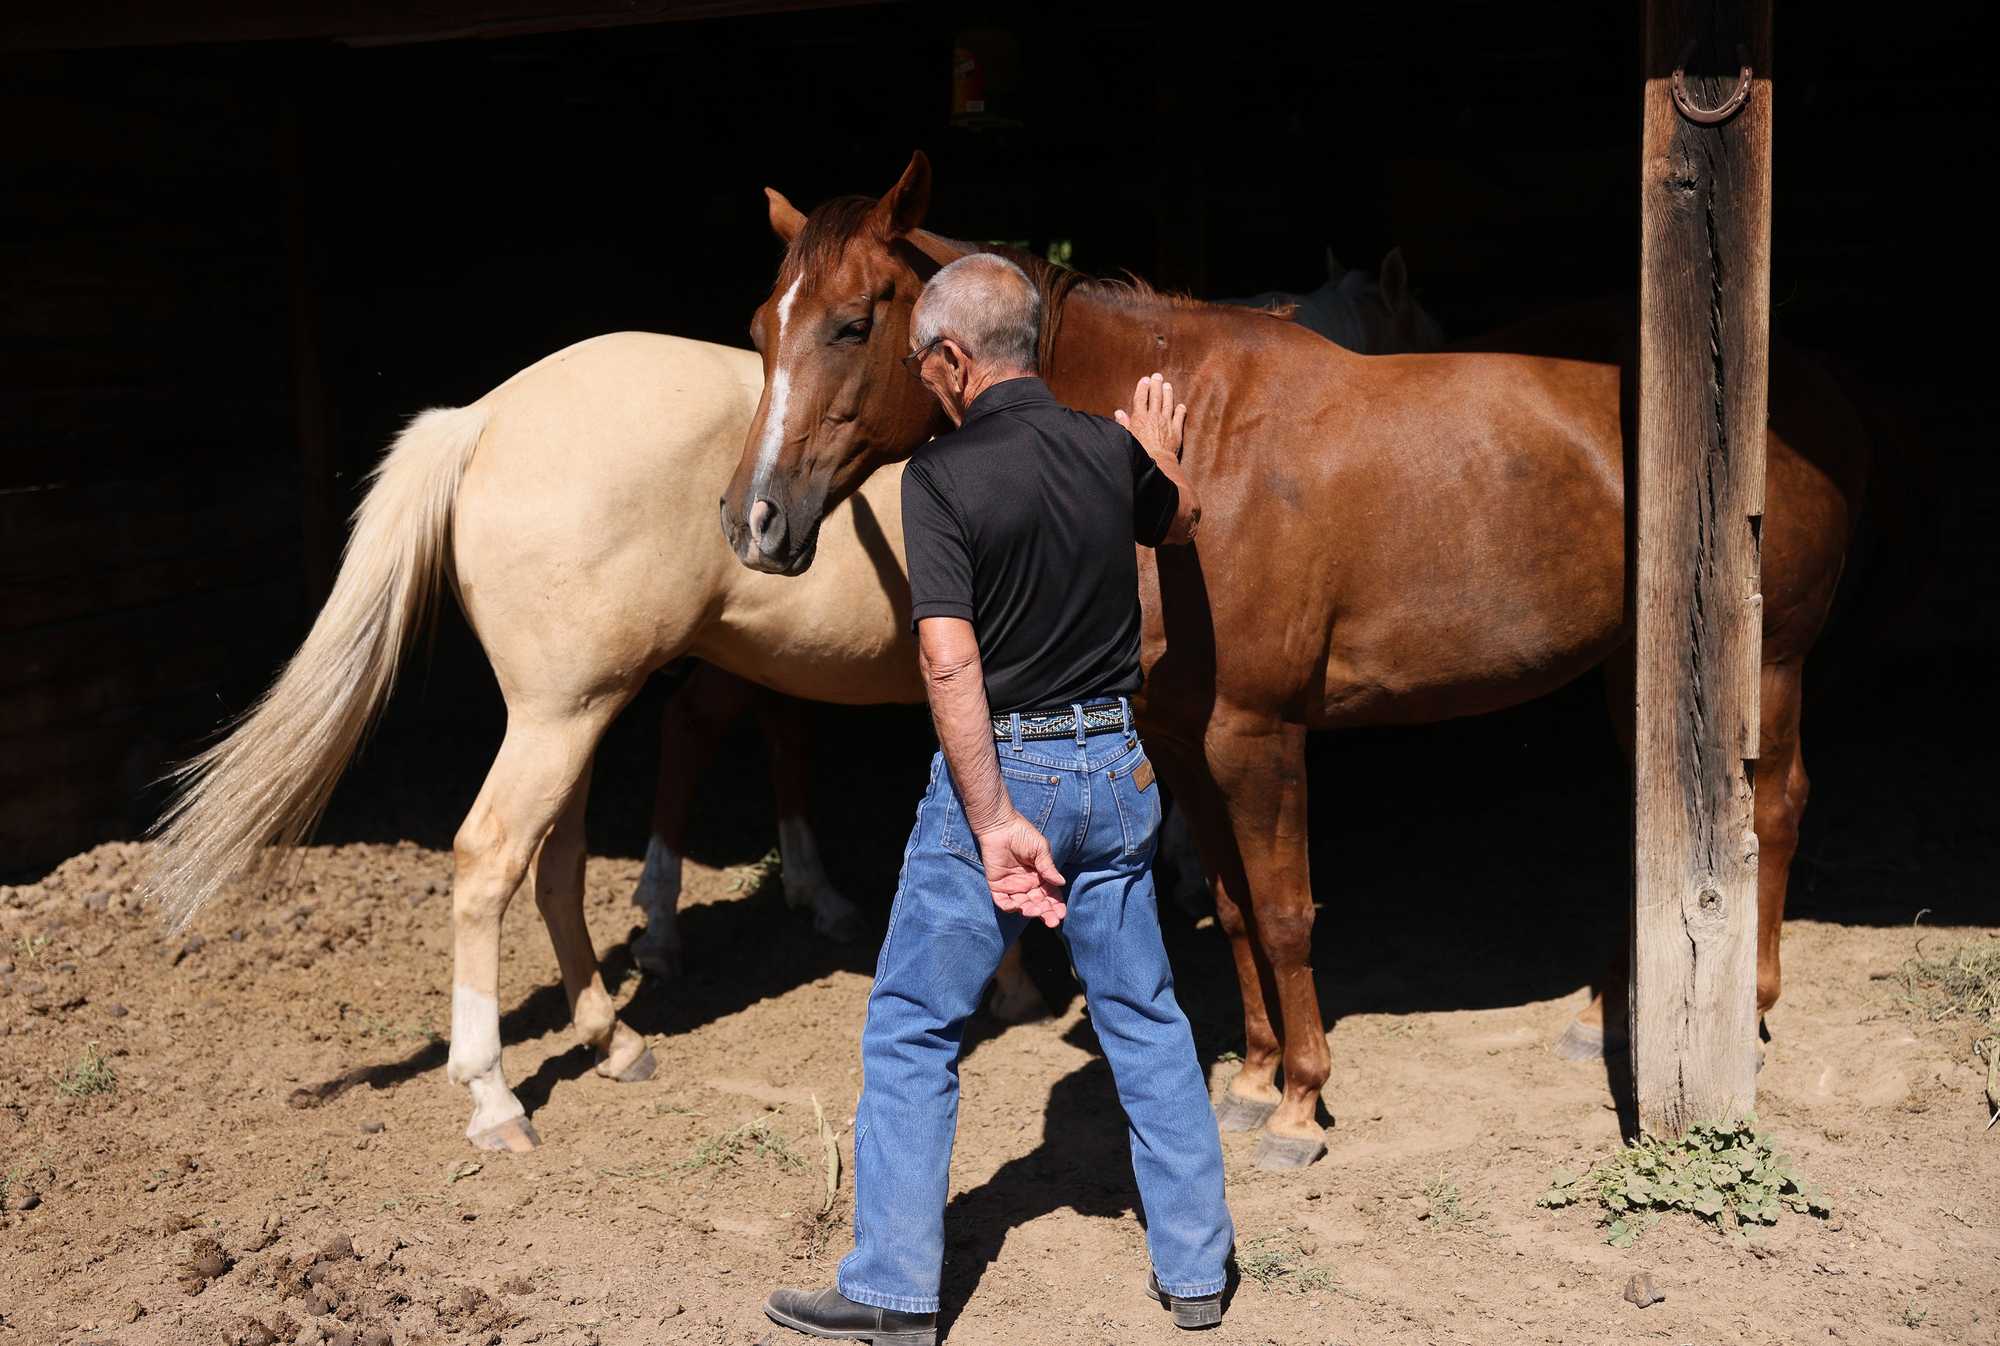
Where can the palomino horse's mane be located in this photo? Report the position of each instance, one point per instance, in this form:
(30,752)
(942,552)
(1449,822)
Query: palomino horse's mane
(835,223)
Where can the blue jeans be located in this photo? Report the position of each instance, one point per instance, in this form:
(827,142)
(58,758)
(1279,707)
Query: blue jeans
(944,942)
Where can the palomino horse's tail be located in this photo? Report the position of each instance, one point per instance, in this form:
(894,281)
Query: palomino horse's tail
(245,801)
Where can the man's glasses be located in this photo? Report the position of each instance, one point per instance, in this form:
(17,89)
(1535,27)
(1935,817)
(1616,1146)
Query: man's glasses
(914,361)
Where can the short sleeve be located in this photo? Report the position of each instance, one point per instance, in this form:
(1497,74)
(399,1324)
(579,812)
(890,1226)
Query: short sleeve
(934,541)
(1154,497)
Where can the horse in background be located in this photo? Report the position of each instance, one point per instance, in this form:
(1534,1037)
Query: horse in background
(1369,315)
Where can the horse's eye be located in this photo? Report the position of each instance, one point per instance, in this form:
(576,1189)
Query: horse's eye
(856,330)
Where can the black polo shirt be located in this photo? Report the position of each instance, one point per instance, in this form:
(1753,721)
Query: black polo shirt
(1022,521)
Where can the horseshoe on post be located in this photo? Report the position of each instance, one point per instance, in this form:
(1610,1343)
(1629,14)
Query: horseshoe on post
(1729,107)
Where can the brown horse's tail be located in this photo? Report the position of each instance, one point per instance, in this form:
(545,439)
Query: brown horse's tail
(241,804)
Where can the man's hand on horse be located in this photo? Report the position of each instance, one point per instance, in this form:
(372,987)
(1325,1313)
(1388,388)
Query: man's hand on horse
(1020,872)
(1155,420)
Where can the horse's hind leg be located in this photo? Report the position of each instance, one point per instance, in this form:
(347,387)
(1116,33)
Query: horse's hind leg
(558,877)
(1782,788)
(694,721)
(531,780)
(788,737)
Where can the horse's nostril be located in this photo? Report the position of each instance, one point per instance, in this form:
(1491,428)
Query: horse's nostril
(767,525)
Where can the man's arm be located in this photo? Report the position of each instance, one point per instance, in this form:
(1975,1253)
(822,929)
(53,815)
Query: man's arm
(1157,421)
(1020,871)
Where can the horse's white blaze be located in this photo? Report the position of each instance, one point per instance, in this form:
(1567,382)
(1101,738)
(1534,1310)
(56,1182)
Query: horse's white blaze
(785,305)
(774,414)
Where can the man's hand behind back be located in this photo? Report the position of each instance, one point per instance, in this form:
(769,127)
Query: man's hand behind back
(1020,872)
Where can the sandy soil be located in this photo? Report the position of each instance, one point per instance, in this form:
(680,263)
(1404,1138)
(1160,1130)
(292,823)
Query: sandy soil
(280,1156)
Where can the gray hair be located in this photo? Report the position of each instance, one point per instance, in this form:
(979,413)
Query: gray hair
(986,304)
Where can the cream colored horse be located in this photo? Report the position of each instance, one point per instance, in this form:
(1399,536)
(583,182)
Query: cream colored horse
(574,507)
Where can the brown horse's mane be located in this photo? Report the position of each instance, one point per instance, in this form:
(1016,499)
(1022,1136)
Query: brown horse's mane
(827,232)
(1133,293)
(837,222)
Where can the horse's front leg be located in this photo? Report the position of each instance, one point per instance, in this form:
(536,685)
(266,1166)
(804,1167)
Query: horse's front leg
(788,735)
(1262,775)
(694,721)
(1244,795)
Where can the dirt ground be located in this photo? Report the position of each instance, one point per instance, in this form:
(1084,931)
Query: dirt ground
(278,1153)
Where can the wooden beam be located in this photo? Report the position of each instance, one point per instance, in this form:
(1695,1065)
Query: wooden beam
(1704,336)
(80,24)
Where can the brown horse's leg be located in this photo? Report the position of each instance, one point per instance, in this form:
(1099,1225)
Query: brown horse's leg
(787,724)
(1016,999)
(1782,788)
(1600,1025)
(696,718)
(1252,1095)
(1260,771)
(558,880)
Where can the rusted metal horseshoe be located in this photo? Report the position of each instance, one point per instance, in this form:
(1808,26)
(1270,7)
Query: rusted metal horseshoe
(1731,105)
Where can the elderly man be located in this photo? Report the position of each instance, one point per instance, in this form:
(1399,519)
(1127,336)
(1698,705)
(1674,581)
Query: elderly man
(1019,528)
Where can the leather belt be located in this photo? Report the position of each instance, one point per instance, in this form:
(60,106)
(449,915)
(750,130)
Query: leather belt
(1099,719)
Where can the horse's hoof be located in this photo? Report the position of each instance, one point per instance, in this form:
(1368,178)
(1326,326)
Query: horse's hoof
(515,1135)
(1235,1113)
(1282,1154)
(1580,1042)
(845,928)
(640,1070)
(658,960)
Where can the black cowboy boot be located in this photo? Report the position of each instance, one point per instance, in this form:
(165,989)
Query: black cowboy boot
(829,1313)
(1189,1313)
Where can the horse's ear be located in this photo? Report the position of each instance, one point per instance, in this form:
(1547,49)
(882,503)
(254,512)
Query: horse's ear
(1334,270)
(902,208)
(786,221)
(928,253)
(1394,280)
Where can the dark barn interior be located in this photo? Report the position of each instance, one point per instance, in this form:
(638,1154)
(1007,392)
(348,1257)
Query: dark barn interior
(241,250)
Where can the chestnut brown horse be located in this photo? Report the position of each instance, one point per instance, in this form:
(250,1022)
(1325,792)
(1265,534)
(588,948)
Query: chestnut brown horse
(1385,540)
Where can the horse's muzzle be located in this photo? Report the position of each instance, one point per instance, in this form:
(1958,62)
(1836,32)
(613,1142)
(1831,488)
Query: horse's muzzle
(766,542)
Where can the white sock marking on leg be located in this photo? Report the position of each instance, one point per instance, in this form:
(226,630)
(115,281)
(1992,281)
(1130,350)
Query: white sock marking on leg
(475,1033)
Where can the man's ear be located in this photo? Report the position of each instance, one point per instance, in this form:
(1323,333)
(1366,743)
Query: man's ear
(902,208)
(786,221)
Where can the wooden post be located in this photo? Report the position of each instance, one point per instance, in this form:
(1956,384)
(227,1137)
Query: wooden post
(1704,334)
